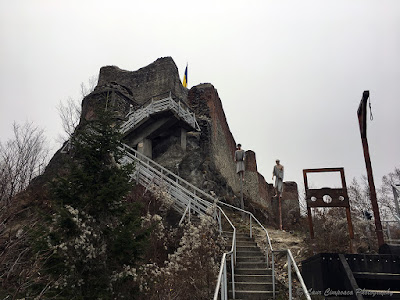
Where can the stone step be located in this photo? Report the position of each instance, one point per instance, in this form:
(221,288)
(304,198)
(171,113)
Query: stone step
(251,295)
(251,265)
(258,258)
(252,286)
(253,278)
(252,271)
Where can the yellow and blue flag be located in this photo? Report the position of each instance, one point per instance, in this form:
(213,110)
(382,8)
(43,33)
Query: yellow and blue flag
(185,77)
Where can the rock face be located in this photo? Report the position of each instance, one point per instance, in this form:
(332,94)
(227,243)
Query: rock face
(159,77)
(206,160)
(113,96)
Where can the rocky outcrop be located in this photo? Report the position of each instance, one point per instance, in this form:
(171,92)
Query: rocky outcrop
(157,78)
(112,96)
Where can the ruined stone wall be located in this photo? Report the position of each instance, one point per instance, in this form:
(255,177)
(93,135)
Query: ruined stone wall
(207,105)
(157,78)
(205,102)
(255,184)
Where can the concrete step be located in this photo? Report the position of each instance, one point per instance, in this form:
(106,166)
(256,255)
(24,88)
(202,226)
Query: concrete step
(238,234)
(253,278)
(252,271)
(245,244)
(251,265)
(247,248)
(248,253)
(252,286)
(258,258)
(251,295)
(241,241)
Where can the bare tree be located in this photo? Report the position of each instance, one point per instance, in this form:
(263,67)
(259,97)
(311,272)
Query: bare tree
(386,191)
(360,202)
(21,159)
(87,89)
(70,110)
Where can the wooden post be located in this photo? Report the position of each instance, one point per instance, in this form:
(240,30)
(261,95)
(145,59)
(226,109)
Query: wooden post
(362,121)
(310,224)
(280,209)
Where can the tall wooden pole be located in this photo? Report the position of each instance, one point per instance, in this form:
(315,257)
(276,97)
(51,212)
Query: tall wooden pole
(362,121)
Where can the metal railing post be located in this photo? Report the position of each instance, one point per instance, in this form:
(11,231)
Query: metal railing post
(234,245)
(289,262)
(190,202)
(222,287)
(273,275)
(233,277)
(251,233)
(225,282)
(219,221)
(267,254)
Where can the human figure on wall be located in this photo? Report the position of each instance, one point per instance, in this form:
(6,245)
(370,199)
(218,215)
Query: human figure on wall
(240,156)
(277,172)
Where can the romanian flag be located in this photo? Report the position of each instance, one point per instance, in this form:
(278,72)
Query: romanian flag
(185,78)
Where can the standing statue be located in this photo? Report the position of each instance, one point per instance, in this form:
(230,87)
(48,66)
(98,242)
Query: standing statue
(240,156)
(278,173)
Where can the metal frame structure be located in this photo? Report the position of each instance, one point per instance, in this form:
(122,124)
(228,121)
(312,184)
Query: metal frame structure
(188,199)
(152,107)
(338,197)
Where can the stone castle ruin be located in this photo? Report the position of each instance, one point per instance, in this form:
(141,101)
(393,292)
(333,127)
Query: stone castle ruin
(185,131)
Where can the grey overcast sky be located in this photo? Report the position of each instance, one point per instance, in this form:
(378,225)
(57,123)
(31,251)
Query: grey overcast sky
(290,74)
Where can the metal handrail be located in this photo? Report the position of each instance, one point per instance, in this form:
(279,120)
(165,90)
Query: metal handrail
(199,202)
(165,171)
(222,282)
(164,95)
(289,253)
(160,105)
(290,262)
(251,216)
(200,206)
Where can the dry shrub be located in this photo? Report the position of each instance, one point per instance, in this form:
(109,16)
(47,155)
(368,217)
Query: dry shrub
(191,271)
(332,233)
